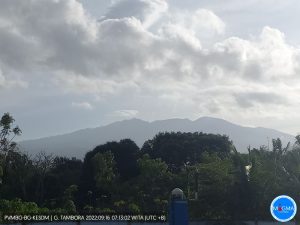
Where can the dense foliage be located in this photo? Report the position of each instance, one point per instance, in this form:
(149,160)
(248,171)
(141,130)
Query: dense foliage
(219,182)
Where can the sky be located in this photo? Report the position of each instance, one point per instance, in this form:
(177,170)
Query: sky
(73,64)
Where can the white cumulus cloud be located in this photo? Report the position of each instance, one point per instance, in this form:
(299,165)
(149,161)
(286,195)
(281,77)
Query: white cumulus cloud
(82,105)
(147,11)
(125,113)
(124,55)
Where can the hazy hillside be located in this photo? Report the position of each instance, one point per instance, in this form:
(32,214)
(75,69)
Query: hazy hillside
(79,142)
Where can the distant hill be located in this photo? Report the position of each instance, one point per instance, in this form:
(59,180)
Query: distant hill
(79,142)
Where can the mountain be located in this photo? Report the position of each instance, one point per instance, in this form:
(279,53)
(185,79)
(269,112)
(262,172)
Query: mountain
(79,142)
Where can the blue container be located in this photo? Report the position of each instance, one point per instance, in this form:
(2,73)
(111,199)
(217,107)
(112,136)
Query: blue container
(178,214)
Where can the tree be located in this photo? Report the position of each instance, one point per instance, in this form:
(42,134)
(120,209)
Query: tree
(17,176)
(153,184)
(272,174)
(278,153)
(43,163)
(213,179)
(7,134)
(125,154)
(63,173)
(104,170)
(297,140)
(17,206)
(261,181)
(69,196)
(177,149)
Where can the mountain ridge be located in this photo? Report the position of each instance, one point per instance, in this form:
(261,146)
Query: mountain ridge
(77,143)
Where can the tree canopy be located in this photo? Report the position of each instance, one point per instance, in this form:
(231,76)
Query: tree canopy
(117,176)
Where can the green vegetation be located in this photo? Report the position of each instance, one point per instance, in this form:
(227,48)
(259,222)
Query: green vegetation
(219,182)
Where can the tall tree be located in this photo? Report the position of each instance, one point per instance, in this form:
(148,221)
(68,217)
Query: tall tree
(104,170)
(7,134)
(64,173)
(17,176)
(177,149)
(125,154)
(43,163)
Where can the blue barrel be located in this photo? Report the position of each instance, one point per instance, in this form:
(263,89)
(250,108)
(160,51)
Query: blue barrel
(178,212)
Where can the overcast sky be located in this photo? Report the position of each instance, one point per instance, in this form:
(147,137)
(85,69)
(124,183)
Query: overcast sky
(67,64)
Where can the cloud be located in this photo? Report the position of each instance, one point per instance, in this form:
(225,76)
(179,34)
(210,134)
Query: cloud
(205,20)
(49,34)
(124,55)
(125,113)
(11,83)
(202,22)
(147,11)
(82,105)
(250,99)
(99,87)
